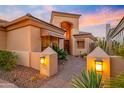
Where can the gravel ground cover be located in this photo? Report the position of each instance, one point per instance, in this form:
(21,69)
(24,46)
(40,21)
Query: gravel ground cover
(23,77)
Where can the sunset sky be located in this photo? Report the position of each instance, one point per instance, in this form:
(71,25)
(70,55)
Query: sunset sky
(93,18)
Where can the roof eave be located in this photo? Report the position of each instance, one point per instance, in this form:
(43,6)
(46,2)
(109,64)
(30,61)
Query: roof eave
(30,17)
(66,13)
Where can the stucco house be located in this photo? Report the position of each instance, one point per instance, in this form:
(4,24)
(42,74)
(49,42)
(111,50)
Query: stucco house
(29,34)
(75,41)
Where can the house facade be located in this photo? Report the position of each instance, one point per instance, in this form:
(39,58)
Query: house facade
(76,42)
(29,33)
(28,36)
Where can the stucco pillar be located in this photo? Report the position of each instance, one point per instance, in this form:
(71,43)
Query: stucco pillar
(61,43)
(49,64)
(102,65)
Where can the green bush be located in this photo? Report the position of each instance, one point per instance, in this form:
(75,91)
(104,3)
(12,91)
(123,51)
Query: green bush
(84,55)
(121,52)
(92,46)
(61,53)
(115,47)
(118,81)
(7,60)
(104,45)
(88,79)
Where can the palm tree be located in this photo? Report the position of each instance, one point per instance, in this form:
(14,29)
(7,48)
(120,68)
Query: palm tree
(88,79)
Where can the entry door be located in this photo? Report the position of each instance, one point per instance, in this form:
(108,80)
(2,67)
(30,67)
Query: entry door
(66,46)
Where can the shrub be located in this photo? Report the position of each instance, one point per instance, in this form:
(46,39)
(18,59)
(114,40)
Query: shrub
(88,79)
(61,53)
(84,55)
(110,48)
(92,46)
(118,81)
(115,47)
(104,45)
(121,52)
(7,60)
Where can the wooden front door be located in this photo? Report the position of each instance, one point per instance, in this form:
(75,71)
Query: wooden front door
(66,46)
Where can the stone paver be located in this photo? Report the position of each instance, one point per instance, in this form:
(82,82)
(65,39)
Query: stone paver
(6,84)
(62,80)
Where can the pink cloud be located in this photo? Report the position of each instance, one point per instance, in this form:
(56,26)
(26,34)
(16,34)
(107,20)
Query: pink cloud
(48,8)
(2,17)
(44,12)
(103,16)
(11,13)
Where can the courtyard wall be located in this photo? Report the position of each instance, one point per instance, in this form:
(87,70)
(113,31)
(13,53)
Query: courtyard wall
(117,65)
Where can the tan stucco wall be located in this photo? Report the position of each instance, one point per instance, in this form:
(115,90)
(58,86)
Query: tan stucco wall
(75,30)
(117,65)
(23,58)
(61,43)
(58,19)
(74,46)
(35,60)
(2,40)
(77,51)
(35,39)
(19,39)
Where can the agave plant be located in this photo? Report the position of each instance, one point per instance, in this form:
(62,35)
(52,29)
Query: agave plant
(88,79)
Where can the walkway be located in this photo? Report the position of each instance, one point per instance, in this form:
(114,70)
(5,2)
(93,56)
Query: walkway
(6,84)
(73,67)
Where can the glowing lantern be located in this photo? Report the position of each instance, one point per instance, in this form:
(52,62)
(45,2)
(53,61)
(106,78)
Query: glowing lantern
(42,60)
(99,65)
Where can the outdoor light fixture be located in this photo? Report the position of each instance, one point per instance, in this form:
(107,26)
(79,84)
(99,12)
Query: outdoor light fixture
(42,60)
(99,65)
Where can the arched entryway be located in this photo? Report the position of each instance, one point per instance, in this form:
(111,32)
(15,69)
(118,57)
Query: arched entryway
(68,36)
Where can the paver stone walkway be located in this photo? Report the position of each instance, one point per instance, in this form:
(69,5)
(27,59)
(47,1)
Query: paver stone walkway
(63,79)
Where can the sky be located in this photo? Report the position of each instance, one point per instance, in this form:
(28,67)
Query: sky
(94,17)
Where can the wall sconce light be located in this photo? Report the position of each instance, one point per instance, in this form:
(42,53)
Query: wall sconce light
(99,65)
(42,60)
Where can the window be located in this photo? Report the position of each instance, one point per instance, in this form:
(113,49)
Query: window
(80,44)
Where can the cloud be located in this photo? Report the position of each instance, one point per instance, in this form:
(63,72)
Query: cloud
(96,30)
(43,12)
(102,16)
(2,17)
(11,12)
(48,8)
